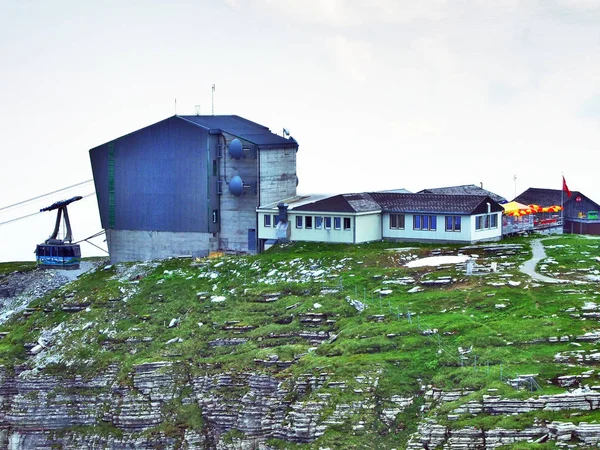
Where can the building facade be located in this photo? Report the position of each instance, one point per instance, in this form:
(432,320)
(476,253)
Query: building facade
(580,213)
(365,217)
(189,185)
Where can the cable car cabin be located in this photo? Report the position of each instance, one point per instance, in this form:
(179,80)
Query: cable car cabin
(59,253)
(65,256)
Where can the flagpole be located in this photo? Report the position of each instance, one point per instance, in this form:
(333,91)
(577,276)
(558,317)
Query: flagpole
(562,202)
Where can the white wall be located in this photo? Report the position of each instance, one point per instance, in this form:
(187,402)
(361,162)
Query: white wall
(439,234)
(321,235)
(368,227)
(487,234)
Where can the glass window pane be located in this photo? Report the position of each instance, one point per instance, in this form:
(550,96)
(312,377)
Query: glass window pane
(299,221)
(417,222)
(337,222)
(318,222)
(401,221)
(457,223)
(433,223)
(328,223)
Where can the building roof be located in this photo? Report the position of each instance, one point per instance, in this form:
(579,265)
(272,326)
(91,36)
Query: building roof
(397,191)
(242,128)
(395,202)
(549,197)
(435,203)
(466,189)
(348,203)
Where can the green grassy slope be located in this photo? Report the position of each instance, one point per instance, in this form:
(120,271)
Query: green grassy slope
(276,303)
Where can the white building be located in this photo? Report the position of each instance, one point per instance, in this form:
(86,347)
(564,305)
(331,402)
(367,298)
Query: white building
(357,218)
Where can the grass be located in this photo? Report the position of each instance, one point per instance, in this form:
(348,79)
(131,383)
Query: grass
(270,298)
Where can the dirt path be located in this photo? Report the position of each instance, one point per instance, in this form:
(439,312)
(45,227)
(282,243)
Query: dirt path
(528,267)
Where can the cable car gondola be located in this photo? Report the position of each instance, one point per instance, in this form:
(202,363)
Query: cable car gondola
(57,253)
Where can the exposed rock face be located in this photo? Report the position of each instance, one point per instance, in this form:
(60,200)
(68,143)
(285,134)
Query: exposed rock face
(43,411)
(431,434)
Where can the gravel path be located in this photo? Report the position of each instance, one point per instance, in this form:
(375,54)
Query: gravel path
(528,267)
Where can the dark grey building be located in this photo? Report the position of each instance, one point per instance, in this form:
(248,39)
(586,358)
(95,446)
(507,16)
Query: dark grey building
(580,215)
(188,185)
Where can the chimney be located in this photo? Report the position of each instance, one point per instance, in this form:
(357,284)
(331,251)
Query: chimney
(283,207)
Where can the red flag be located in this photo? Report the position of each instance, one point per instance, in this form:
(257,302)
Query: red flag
(566,188)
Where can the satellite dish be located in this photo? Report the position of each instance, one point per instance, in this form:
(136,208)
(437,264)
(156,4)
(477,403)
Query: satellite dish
(236,149)
(236,186)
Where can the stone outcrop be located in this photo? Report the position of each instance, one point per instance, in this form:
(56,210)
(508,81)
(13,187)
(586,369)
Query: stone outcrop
(39,410)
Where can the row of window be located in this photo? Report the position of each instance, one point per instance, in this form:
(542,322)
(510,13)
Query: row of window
(424,222)
(317,222)
(397,222)
(323,222)
(486,222)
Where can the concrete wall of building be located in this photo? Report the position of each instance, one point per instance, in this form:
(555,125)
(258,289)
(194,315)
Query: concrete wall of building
(133,245)
(237,213)
(277,174)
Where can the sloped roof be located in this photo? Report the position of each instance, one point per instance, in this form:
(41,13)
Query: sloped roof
(434,203)
(350,203)
(243,128)
(549,197)
(465,189)
(402,203)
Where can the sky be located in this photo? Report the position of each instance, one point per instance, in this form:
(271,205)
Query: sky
(380,94)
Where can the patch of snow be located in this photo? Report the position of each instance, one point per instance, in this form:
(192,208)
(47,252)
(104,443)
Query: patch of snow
(438,260)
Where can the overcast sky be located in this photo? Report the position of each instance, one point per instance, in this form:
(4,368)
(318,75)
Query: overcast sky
(380,94)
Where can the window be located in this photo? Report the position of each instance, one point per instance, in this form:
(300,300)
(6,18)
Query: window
(486,222)
(267,220)
(452,223)
(299,221)
(328,223)
(416,222)
(308,222)
(275,220)
(424,222)
(318,222)
(346,223)
(337,223)
(397,221)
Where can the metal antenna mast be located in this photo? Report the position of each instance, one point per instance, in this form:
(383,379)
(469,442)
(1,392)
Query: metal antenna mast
(213,99)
